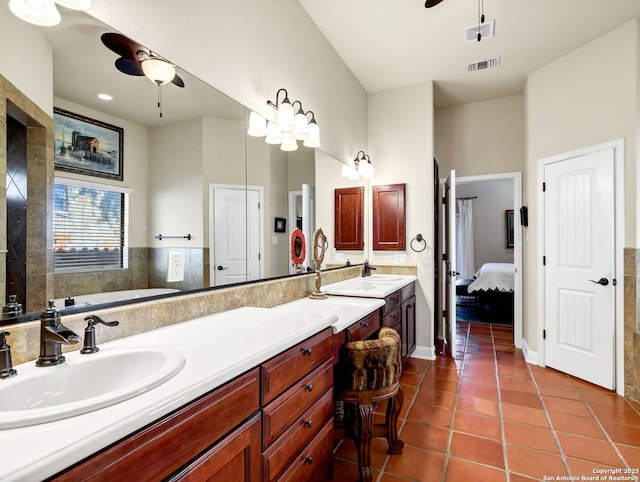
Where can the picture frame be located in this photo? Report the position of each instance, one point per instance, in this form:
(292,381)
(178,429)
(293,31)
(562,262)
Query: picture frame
(87,146)
(509,224)
(280,225)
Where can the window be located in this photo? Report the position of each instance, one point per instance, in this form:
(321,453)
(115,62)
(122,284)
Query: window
(89,226)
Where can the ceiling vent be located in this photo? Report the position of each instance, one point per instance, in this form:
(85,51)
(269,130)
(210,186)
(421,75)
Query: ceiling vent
(485,29)
(484,64)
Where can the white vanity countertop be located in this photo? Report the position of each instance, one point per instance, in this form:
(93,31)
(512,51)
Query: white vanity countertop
(216,348)
(374,286)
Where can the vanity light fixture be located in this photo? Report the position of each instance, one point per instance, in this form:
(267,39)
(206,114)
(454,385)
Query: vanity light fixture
(362,167)
(285,120)
(288,142)
(314,132)
(257,125)
(44,12)
(274,135)
(301,131)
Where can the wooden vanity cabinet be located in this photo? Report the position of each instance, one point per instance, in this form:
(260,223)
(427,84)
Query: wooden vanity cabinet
(399,313)
(360,330)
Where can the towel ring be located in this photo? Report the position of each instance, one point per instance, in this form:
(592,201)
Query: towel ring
(419,239)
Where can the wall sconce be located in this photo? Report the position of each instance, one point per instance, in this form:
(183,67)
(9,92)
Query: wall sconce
(362,167)
(44,12)
(291,125)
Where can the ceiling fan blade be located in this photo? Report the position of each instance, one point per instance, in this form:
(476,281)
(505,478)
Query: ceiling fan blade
(128,66)
(177,81)
(123,46)
(431,3)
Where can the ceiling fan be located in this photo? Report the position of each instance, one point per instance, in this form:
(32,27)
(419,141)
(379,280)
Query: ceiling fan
(138,60)
(431,3)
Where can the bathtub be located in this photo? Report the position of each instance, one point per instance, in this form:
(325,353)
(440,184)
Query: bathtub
(112,296)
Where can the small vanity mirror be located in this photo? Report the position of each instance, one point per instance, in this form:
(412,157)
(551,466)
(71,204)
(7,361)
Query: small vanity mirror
(298,249)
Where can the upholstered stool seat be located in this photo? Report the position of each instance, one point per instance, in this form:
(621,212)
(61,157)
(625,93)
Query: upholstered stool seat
(367,373)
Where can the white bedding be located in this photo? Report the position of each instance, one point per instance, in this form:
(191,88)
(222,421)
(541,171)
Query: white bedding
(494,276)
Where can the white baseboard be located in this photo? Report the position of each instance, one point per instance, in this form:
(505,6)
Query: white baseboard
(424,352)
(530,356)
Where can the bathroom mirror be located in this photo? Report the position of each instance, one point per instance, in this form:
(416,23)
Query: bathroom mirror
(172,167)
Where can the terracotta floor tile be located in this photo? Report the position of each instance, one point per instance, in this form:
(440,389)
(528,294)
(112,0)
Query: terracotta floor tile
(487,379)
(624,434)
(549,375)
(439,398)
(445,361)
(584,468)
(470,389)
(425,436)
(379,452)
(348,471)
(600,397)
(416,365)
(557,390)
(417,464)
(439,417)
(479,406)
(630,454)
(445,372)
(526,415)
(478,449)
(588,427)
(529,436)
(461,470)
(563,405)
(482,366)
(534,463)
(513,372)
(411,378)
(521,398)
(616,413)
(410,392)
(586,448)
(517,384)
(521,478)
(389,478)
(477,425)
(440,384)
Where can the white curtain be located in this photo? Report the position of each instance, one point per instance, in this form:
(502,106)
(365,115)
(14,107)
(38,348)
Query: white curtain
(464,252)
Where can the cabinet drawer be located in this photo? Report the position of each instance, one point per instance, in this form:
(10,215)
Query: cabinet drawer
(285,369)
(408,291)
(392,318)
(161,448)
(276,459)
(364,328)
(278,415)
(315,462)
(391,301)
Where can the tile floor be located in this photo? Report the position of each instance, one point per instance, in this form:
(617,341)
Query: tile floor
(489,416)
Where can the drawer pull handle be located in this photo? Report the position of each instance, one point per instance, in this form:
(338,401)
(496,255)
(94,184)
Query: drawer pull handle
(309,387)
(307,351)
(365,324)
(309,423)
(309,459)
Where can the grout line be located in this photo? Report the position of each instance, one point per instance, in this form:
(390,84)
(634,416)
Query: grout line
(502,431)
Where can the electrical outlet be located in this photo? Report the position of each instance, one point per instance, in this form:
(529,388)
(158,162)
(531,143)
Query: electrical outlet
(175,267)
(401,259)
(339,258)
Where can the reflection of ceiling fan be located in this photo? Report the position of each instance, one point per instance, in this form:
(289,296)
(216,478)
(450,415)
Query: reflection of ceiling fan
(138,60)
(431,3)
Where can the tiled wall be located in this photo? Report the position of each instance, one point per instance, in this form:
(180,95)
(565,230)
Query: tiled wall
(631,335)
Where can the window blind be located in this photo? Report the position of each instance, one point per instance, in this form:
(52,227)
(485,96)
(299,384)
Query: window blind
(88,226)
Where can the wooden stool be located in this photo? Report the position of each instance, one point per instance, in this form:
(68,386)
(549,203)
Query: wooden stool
(367,373)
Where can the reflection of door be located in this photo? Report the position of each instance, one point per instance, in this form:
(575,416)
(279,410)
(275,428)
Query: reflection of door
(308,222)
(579,268)
(450,261)
(235,225)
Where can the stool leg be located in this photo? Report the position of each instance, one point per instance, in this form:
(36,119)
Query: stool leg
(394,406)
(363,440)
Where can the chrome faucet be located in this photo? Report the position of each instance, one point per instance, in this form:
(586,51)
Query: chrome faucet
(53,334)
(366,269)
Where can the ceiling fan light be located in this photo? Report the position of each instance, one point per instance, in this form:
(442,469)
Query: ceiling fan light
(158,71)
(75,4)
(37,12)
(288,142)
(314,135)
(301,131)
(285,119)
(257,125)
(274,136)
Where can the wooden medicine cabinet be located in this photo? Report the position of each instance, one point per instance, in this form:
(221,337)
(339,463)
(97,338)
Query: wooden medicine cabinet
(348,216)
(389,217)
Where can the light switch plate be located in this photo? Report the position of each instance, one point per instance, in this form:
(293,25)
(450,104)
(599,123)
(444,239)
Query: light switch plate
(401,259)
(339,258)
(175,267)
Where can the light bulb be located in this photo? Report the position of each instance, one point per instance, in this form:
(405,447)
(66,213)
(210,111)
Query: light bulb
(257,125)
(38,12)
(274,136)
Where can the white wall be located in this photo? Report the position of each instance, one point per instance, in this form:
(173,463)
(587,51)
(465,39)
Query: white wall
(489,224)
(135,160)
(481,138)
(587,97)
(249,50)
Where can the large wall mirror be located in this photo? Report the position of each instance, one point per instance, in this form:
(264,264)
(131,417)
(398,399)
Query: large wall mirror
(192,172)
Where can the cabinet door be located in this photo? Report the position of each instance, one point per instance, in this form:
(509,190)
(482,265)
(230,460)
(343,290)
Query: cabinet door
(236,457)
(408,326)
(348,216)
(389,217)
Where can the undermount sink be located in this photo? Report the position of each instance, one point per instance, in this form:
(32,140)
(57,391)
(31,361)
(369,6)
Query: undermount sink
(83,383)
(374,278)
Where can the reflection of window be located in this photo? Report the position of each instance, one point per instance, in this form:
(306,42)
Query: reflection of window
(89,226)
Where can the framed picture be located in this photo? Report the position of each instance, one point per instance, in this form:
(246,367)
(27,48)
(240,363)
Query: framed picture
(280,225)
(87,146)
(509,227)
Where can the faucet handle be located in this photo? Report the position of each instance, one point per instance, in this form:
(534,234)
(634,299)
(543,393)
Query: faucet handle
(89,345)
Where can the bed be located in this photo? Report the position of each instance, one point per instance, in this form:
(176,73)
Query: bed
(493,289)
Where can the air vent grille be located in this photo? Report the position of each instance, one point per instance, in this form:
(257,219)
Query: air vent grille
(484,64)
(471,33)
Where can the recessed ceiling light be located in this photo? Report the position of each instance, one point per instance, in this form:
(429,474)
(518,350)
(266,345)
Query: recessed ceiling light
(105,97)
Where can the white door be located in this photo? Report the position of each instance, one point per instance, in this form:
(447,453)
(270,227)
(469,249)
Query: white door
(234,257)
(308,222)
(450,261)
(579,266)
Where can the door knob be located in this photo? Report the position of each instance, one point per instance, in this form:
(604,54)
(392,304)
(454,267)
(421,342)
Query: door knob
(601,281)
(220,268)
